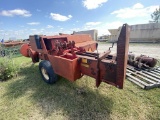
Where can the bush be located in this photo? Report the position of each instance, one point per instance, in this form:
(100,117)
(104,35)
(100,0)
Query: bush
(8,68)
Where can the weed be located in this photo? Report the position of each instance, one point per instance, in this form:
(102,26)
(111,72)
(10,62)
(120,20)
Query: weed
(8,68)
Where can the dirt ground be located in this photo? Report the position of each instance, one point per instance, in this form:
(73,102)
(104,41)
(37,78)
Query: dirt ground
(149,49)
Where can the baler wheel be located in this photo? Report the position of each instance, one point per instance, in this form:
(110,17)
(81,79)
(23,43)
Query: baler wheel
(47,72)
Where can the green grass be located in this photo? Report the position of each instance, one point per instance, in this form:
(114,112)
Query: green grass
(27,97)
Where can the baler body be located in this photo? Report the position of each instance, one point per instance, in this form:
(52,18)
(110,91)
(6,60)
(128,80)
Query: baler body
(73,56)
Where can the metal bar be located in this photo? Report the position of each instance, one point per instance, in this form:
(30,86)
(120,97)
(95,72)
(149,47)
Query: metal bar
(146,79)
(92,53)
(137,83)
(131,68)
(158,71)
(150,86)
(85,54)
(155,73)
(151,74)
(153,86)
(138,80)
(155,79)
(103,55)
(147,76)
(122,55)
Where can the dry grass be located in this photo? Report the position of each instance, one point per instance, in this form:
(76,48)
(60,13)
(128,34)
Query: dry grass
(28,97)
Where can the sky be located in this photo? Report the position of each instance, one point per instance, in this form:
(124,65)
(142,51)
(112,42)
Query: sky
(21,18)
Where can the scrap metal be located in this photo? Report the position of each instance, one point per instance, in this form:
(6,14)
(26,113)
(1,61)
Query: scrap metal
(143,78)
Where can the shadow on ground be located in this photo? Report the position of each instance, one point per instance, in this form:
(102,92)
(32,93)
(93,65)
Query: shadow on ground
(71,99)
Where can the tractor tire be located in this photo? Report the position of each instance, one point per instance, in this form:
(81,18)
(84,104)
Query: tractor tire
(47,72)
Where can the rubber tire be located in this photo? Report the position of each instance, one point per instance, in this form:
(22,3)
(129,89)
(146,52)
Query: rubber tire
(48,67)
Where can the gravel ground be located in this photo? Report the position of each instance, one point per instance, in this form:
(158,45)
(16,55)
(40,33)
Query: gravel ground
(149,49)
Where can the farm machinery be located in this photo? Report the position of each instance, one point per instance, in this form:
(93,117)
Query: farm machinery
(72,56)
(11,47)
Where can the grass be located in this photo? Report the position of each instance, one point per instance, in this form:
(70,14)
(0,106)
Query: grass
(28,97)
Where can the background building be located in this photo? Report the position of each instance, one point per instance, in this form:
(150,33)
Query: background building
(114,34)
(139,33)
(103,38)
(93,33)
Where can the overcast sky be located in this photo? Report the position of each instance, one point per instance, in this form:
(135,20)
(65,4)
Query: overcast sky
(21,18)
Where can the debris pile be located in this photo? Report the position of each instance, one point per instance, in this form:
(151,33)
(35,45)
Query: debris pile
(142,61)
(142,71)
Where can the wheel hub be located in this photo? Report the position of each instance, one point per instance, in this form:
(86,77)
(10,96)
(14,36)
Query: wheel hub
(44,73)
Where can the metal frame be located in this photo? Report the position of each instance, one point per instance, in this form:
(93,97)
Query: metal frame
(144,79)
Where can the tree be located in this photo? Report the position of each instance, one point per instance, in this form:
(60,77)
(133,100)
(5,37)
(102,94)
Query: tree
(156,15)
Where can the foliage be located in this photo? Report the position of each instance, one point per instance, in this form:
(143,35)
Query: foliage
(8,68)
(156,15)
